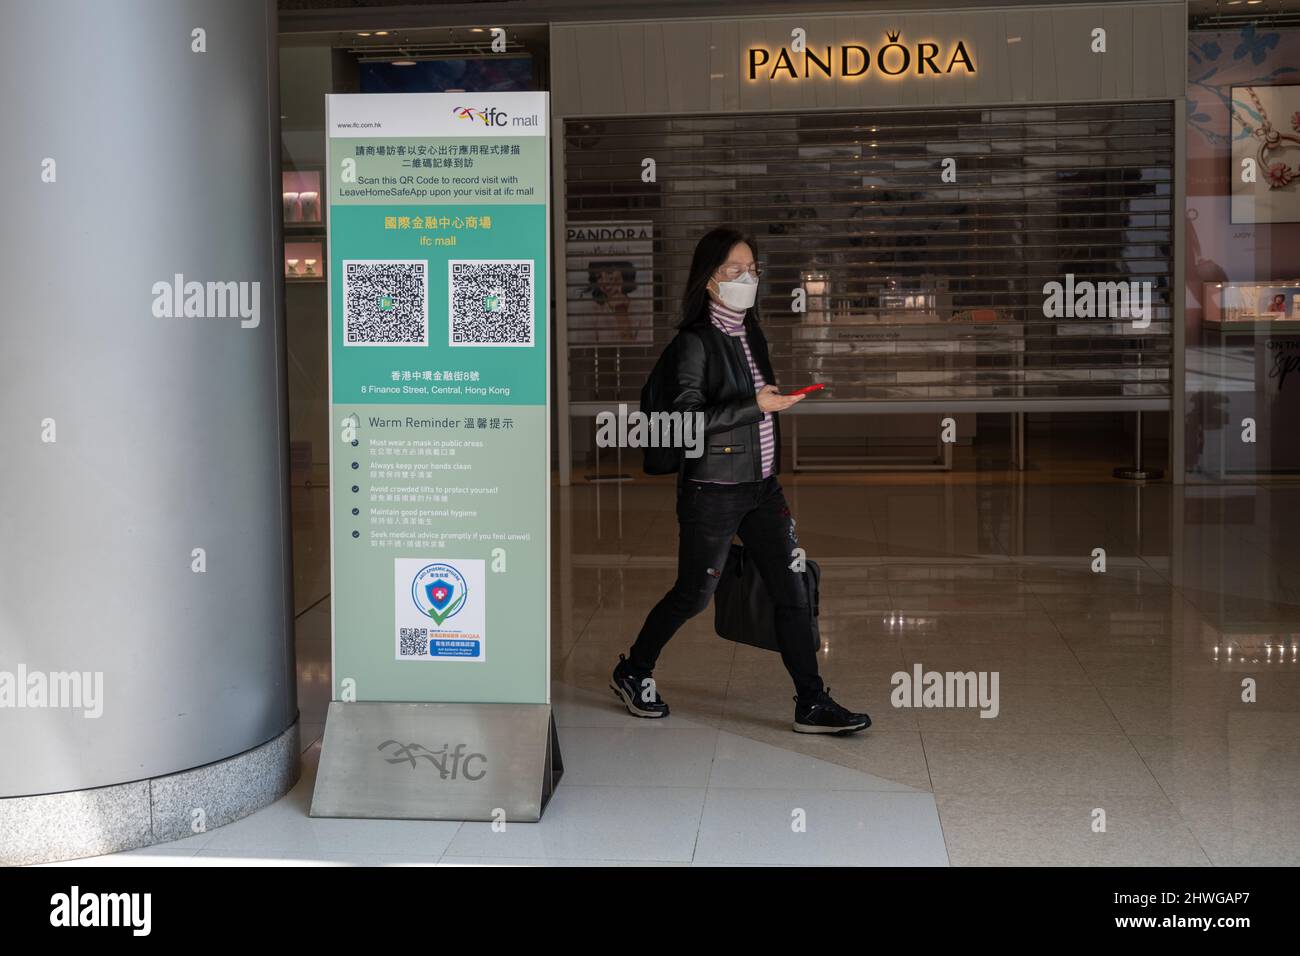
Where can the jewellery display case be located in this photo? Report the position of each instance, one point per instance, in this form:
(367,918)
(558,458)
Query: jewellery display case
(303,261)
(304,226)
(1252,332)
(910,337)
(1249,307)
(301,197)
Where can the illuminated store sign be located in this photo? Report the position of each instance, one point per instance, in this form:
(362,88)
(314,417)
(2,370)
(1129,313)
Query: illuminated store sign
(851,60)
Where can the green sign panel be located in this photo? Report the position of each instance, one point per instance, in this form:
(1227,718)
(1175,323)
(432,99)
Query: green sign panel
(438,234)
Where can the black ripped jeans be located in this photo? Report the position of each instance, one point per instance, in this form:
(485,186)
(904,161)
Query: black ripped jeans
(708,516)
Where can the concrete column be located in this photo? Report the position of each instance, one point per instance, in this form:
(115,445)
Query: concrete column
(144,515)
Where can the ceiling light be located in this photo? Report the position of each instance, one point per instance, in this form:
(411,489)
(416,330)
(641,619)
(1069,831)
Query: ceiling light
(403,63)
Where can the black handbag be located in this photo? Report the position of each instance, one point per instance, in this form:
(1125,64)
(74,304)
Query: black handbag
(743,609)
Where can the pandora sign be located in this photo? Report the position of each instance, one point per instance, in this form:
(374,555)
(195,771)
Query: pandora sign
(894,58)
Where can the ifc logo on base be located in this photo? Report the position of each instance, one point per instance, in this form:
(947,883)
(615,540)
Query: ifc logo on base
(439,609)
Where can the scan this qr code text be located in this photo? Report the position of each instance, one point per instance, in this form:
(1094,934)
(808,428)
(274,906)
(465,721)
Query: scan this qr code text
(490,302)
(386,302)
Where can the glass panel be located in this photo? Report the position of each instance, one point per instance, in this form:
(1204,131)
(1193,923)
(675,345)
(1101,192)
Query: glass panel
(1243,252)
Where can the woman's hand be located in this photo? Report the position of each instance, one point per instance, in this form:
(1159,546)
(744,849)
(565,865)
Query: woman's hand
(770,399)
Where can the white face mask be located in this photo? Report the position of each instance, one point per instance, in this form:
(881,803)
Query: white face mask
(739,295)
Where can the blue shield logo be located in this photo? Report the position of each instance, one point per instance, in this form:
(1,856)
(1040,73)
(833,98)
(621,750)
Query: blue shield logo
(439,593)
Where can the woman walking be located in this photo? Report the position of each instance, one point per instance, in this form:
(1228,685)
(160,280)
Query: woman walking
(724,372)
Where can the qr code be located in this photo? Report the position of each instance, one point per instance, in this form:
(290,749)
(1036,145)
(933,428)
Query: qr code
(414,641)
(490,302)
(386,302)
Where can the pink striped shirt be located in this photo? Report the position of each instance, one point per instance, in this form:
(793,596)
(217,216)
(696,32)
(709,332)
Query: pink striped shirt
(732,323)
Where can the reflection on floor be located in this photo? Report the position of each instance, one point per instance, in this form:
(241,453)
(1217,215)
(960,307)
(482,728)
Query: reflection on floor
(1119,692)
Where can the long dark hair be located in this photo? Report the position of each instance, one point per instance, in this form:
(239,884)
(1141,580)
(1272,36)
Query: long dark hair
(710,253)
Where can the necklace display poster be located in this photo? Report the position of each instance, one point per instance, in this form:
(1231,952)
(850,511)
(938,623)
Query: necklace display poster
(438,233)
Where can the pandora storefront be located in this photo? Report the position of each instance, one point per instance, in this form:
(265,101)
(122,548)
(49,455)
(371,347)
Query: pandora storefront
(917,185)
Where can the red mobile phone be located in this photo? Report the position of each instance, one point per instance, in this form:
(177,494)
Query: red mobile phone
(807,388)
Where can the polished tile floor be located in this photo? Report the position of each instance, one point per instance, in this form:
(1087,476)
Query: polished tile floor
(1148,714)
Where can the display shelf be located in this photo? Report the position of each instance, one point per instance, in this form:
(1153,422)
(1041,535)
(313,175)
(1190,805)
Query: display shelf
(1254,326)
(301,197)
(1251,347)
(304,261)
(1252,308)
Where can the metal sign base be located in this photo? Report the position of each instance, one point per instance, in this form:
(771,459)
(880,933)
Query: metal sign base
(415,761)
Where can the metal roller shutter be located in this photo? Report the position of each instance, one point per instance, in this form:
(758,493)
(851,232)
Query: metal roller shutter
(932,289)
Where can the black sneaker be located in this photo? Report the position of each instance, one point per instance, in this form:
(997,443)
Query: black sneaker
(821,715)
(633,691)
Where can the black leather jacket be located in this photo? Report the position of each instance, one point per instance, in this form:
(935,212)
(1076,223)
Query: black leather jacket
(713,378)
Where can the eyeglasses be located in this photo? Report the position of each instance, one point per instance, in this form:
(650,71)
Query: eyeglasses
(734,272)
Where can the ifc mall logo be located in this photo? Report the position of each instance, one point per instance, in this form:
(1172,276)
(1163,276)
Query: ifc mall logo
(439,591)
(488,117)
